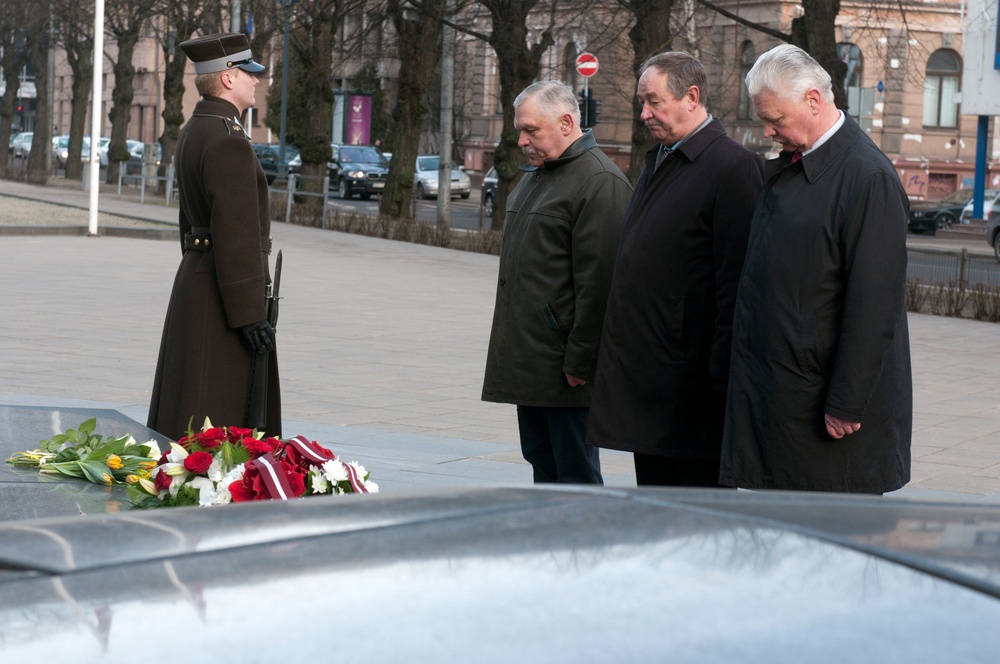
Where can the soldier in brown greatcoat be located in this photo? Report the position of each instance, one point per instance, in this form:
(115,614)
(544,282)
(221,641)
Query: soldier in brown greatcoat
(216,320)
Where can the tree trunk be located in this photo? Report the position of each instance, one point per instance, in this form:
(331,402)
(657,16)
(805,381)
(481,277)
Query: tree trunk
(518,65)
(815,33)
(13,63)
(80,58)
(37,47)
(649,35)
(419,51)
(121,102)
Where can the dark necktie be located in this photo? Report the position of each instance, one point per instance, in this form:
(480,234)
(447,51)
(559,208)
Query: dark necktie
(662,154)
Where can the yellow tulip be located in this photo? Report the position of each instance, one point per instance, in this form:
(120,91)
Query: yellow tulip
(147,465)
(114,462)
(131,479)
(107,478)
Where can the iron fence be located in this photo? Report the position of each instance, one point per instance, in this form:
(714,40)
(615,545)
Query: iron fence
(962,269)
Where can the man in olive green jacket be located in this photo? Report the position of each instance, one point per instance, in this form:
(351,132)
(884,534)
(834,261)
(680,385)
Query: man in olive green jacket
(559,244)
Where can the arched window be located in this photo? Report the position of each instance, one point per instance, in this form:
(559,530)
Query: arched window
(749,56)
(944,70)
(851,56)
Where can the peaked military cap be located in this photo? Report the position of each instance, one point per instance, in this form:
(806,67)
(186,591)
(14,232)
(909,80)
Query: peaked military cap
(219,52)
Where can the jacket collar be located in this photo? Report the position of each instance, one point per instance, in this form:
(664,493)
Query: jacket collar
(217,106)
(576,148)
(815,164)
(695,144)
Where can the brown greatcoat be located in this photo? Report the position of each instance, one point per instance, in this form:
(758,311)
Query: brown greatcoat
(204,368)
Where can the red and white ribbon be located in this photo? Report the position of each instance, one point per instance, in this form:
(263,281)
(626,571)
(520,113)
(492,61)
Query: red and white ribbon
(274,477)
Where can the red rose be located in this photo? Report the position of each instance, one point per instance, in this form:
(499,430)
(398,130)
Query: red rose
(212,438)
(236,434)
(256,447)
(162,481)
(187,441)
(240,492)
(296,478)
(198,462)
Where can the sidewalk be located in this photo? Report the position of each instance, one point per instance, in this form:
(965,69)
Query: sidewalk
(382,351)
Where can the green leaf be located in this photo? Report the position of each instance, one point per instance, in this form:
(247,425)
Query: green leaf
(95,471)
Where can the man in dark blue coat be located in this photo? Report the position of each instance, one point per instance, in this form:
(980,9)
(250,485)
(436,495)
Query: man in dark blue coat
(820,394)
(660,385)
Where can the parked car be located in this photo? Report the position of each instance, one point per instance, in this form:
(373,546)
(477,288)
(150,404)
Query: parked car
(488,193)
(269,156)
(990,197)
(993,231)
(426,178)
(21,145)
(930,216)
(136,151)
(357,169)
(60,150)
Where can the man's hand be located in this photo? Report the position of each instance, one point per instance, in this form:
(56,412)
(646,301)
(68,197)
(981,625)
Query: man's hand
(574,381)
(838,428)
(258,337)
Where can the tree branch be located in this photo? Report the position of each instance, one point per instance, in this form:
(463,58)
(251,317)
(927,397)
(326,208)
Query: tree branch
(750,24)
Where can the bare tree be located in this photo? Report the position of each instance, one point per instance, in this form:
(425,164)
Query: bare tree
(418,35)
(125,20)
(12,23)
(311,46)
(38,37)
(76,25)
(814,32)
(650,34)
(181,19)
(520,53)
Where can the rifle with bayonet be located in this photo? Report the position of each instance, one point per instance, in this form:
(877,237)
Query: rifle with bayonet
(257,401)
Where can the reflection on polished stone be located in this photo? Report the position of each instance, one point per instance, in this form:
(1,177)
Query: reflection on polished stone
(27,494)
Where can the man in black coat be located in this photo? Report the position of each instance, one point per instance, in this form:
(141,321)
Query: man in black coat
(216,323)
(820,395)
(660,385)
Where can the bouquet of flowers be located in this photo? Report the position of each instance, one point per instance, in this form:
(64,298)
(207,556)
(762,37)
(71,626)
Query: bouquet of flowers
(82,453)
(219,465)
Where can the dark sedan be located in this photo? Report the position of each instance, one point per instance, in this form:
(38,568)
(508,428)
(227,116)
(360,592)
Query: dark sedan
(930,216)
(269,156)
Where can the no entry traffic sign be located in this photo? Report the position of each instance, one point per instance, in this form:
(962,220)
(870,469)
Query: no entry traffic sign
(586,64)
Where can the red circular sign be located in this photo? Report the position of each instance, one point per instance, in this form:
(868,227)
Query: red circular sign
(586,64)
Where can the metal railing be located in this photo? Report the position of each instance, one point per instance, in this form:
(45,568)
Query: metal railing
(961,269)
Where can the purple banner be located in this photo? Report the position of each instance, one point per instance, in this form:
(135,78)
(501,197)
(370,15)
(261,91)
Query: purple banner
(358,120)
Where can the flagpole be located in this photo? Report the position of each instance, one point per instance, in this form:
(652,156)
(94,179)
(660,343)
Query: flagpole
(97,93)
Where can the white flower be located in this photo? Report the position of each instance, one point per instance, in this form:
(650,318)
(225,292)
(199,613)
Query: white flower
(154,449)
(206,490)
(334,471)
(319,483)
(371,486)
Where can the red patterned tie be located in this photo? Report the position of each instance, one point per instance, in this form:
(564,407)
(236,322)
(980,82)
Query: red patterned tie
(795,157)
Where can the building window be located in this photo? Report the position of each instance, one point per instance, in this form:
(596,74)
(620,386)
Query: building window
(747,59)
(940,87)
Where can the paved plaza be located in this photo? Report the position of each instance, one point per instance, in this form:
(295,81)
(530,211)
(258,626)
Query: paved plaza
(382,347)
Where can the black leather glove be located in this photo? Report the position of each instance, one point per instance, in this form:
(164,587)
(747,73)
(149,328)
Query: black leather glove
(258,337)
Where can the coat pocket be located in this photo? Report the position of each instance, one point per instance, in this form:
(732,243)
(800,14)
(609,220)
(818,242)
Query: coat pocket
(552,322)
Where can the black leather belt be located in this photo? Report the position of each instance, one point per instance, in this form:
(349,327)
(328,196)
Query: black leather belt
(200,239)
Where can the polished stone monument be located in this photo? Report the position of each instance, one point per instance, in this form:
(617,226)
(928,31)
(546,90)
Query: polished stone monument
(26,493)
